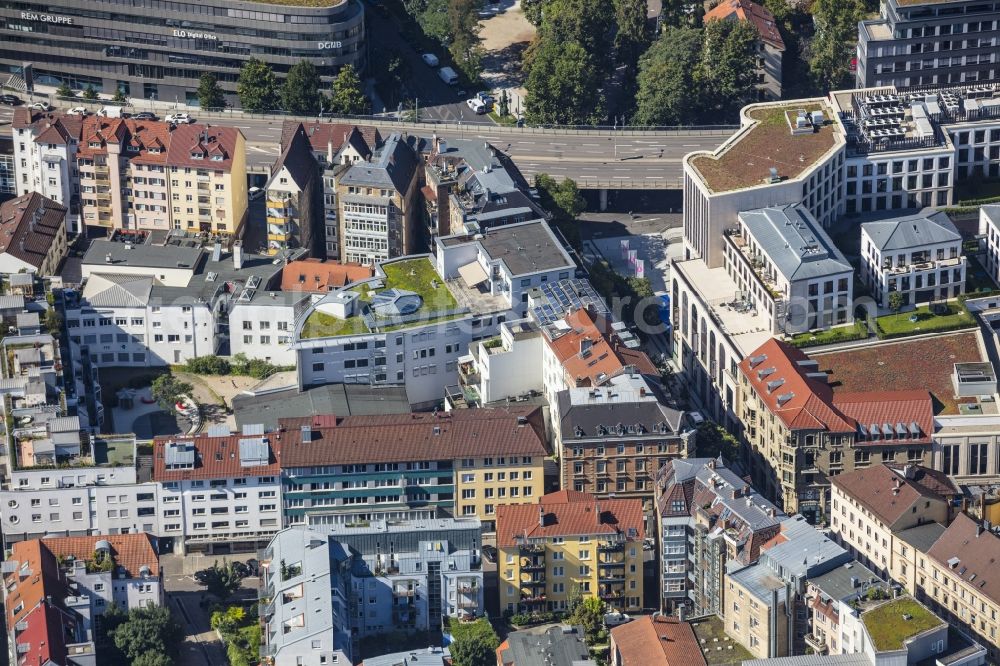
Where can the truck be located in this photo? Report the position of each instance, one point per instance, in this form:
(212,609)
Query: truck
(448,75)
(110,112)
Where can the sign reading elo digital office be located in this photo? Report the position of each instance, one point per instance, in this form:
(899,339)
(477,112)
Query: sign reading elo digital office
(47,18)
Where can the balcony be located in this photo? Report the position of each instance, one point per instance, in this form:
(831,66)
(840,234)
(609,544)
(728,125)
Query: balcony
(533,547)
(924,265)
(533,564)
(612,563)
(610,547)
(816,643)
(757,264)
(532,599)
(611,578)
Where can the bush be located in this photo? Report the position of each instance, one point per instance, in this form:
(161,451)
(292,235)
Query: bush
(208,365)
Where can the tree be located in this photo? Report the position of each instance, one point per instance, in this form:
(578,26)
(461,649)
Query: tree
(153,659)
(631,38)
(347,97)
(564,86)
(64,91)
(474,644)
(227,621)
(210,94)
(503,104)
(301,95)
(532,11)
(668,93)
(895,301)
(589,614)
(672,13)
(257,87)
(148,629)
(119,96)
(168,390)
(463,23)
(53,322)
(833,46)
(220,580)
(729,65)
(588,23)
(713,441)
(90,93)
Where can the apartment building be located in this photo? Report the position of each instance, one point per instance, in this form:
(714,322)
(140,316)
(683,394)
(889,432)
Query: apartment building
(35,237)
(770,45)
(923,42)
(412,575)
(561,645)
(654,640)
(305,594)
(264,327)
(709,519)
(835,601)
(465,463)
(920,256)
(377,205)
(45,146)
(220,492)
(318,276)
(294,199)
(989,230)
(614,437)
(787,267)
(802,434)
(871,506)
(104,491)
(56,589)
(569,543)
(766,600)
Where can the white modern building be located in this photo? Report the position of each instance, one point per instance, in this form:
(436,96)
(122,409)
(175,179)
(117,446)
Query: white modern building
(45,160)
(220,492)
(264,327)
(989,231)
(920,256)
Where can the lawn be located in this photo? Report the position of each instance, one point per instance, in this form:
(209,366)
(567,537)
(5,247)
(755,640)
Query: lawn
(922,320)
(419,276)
(717,646)
(889,629)
(925,364)
(321,325)
(856,331)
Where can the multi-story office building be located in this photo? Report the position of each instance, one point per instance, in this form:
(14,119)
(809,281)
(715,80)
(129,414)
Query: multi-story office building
(55,591)
(161,49)
(920,256)
(411,575)
(787,267)
(464,463)
(989,231)
(709,518)
(870,506)
(294,199)
(802,433)
(219,492)
(570,543)
(614,437)
(377,204)
(35,235)
(929,42)
(770,45)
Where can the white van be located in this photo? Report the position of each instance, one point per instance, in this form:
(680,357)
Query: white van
(110,112)
(448,75)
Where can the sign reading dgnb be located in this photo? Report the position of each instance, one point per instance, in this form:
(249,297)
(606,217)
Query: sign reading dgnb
(328,45)
(47,18)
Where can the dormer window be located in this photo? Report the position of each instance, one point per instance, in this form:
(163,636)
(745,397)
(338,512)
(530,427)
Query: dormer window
(133,148)
(155,150)
(95,144)
(216,158)
(197,156)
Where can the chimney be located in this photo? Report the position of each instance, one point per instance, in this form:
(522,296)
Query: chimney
(541,516)
(979,529)
(238,255)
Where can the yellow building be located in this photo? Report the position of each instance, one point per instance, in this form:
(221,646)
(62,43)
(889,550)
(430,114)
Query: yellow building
(206,167)
(485,482)
(569,544)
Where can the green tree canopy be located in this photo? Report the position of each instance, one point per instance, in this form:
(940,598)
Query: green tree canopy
(220,580)
(631,38)
(463,22)
(832,48)
(713,441)
(729,65)
(668,73)
(588,23)
(257,87)
(152,659)
(564,86)
(210,95)
(301,94)
(589,614)
(148,629)
(64,90)
(474,643)
(90,93)
(167,391)
(347,97)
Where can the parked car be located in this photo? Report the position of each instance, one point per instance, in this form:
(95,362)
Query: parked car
(430,59)
(179,118)
(448,75)
(78,111)
(477,106)
(241,569)
(490,553)
(10,100)
(145,115)
(41,106)
(255,193)
(615,618)
(486,98)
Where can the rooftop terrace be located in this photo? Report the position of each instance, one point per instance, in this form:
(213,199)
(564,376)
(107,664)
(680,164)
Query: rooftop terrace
(892,624)
(411,275)
(747,159)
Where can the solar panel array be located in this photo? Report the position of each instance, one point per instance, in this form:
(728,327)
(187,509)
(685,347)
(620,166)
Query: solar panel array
(565,295)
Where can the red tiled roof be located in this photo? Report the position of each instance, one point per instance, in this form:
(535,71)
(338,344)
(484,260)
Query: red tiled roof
(656,641)
(48,628)
(324,135)
(892,407)
(744,10)
(66,125)
(215,139)
(29,225)
(978,554)
(890,493)
(130,551)
(587,356)
(569,513)
(215,458)
(30,590)
(319,275)
(411,437)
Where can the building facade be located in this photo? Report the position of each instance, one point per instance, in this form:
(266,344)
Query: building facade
(35,241)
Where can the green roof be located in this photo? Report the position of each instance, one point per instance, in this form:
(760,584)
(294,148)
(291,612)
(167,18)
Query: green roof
(889,628)
(416,275)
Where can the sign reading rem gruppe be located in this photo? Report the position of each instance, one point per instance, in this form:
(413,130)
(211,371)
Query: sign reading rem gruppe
(47,18)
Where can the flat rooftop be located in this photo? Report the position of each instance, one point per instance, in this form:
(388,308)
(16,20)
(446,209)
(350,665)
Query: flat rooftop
(340,399)
(889,627)
(526,248)
(747,159)
(112,255)
(747,328)
(890,366)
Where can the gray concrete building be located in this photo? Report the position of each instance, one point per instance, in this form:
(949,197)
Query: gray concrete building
(929,42)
